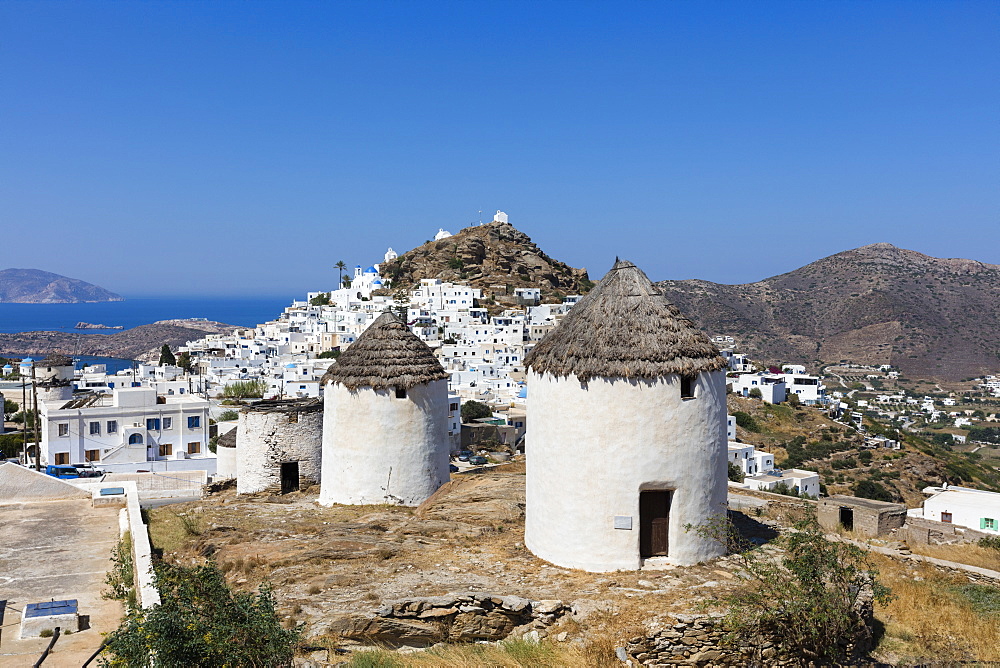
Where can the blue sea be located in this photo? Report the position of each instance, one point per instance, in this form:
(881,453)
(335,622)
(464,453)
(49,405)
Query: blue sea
(132,312)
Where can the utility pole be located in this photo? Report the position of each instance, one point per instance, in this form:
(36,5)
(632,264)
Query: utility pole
(24,417)
(34,417)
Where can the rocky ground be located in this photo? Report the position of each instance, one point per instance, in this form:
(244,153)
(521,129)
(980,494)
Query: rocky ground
(335,568)
(454,573)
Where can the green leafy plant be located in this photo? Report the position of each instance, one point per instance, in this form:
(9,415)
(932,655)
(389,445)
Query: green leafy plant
(746,421)
(474,410)
(244,389)
(734,472)
(813,602)
(121,578)
(167,357)
(201,622)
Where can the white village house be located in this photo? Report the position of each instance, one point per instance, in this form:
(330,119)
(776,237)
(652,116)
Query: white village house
(626,441)
(127,429)
(971,508)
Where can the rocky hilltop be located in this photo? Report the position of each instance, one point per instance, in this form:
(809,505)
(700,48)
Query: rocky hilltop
(878,304)
(140,343)
(485,256)
(33,286)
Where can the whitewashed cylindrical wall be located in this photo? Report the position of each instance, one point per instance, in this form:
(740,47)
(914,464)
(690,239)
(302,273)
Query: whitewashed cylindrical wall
(268,437)
(593,447)
(381,449)
(55,392)
(225,464)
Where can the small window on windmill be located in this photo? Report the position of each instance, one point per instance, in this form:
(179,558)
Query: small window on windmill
(687,387)
(400,392)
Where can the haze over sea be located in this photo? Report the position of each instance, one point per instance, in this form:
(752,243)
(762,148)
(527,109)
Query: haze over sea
(136,311)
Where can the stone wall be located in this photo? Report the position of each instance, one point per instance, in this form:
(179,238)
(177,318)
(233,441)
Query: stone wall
(273,434)
(467,617)
(700,640)
(920,531)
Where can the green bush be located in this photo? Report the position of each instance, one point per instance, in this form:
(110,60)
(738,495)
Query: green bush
(474,410)
(869,489)
(845,463)
(735,472)
(746,421)
(228,415)
(201,622)
(244,389)
(806,601)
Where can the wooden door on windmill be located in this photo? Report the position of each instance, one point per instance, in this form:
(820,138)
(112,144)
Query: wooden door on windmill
(654,523)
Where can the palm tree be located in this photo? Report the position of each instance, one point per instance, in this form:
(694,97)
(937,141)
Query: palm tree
(340,266)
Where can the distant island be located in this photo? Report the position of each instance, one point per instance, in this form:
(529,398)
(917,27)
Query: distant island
(91,325)
(33,286)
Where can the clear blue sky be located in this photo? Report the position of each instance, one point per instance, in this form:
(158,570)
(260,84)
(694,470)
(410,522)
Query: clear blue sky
(240,148)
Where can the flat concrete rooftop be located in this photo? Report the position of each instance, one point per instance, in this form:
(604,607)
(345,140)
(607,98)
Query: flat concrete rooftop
(56,550)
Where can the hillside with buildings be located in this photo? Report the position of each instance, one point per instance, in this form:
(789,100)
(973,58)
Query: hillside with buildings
(878,304)
(33,286)
(495,258)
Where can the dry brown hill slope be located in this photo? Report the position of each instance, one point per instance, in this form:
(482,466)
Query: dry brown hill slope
(878,304)
(484,256)
(142,342)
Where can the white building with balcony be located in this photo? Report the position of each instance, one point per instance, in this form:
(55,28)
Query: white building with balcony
(128,429)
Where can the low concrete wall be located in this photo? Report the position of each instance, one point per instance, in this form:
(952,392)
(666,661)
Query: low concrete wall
(162,485)
(207,464)
(142,552)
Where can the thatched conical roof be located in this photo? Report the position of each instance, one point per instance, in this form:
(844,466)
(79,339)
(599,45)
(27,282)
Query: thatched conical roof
(55,359)
(624,328)
(386,355)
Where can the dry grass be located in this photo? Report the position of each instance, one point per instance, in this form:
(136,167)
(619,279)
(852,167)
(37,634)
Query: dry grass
(929,619)
(968,553)
(511,653)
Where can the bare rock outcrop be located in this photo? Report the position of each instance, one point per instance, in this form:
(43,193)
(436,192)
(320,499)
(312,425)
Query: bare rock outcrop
(466,617)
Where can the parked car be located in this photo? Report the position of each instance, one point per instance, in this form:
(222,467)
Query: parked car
(63,472)
(452,468)
(464,456)
(88,471)
(478,460)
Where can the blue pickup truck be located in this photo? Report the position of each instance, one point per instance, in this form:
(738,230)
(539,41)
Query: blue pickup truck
(63,472)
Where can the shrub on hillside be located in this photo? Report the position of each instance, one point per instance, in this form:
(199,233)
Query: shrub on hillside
(814,602)
(201,622)
(746,421)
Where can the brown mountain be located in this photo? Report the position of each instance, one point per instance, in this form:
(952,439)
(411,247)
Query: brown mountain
(485,256)
(141,343)
(33,286)
(878,304)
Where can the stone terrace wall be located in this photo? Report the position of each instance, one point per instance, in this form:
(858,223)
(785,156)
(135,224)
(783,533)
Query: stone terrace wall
(918,530)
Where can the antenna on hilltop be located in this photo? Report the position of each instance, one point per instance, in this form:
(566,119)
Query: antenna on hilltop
(480,216)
